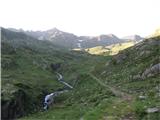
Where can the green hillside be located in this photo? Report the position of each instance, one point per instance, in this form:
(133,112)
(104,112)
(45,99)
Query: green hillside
(111,91)
(136,71)
(105,87)
(26,73)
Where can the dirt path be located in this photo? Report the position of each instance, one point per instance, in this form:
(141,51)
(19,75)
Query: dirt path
(116,91)
(124,96)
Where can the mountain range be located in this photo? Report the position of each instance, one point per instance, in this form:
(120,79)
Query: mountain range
(133,37)
(72,41)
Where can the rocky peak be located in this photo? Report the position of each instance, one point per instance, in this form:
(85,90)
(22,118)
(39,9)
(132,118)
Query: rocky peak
(53,31)
(133,37)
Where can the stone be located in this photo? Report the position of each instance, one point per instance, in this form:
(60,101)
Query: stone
(145,53)
(136,77)
(152,110)
(103,72)
(120,58)
(153,70)
(142,97)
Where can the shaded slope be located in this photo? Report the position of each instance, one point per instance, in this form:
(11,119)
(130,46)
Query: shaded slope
(26,72)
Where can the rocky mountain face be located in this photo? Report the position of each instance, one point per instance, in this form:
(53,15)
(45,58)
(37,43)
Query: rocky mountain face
(56,36)
(102,40)
(72,41)
(135,38)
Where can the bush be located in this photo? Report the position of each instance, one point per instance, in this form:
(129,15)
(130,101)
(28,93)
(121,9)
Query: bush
(139,109)
(151,94)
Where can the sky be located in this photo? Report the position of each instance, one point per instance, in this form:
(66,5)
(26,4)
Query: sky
(83,17)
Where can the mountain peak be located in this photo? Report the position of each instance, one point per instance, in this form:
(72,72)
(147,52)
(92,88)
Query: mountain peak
(53,30)
(111,35)
(108,35)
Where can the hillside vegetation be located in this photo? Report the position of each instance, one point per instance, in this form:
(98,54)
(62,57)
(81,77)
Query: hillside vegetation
(124,86)
(109,50)
(26,73)
(136,71)
(105,87)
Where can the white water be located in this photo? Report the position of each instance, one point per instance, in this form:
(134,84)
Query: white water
(50,97)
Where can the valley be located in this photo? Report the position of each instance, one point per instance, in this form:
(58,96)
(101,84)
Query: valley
(111,82)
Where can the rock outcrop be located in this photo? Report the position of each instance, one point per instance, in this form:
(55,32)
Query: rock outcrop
(151,71)
(153,110)
(119,58)
(13,108)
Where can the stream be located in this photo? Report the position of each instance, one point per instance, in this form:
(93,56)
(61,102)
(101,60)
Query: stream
(49,99)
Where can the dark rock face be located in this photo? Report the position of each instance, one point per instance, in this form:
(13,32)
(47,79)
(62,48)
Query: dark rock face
(14,108)
(136,77)
(55,66)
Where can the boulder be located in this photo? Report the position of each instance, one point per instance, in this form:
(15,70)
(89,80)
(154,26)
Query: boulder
(136,77)
(55,66)
(153,110)
(103,72)
(153,70)
(142,97)
(120,58)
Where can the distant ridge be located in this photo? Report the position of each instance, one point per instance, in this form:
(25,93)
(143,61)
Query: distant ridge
(72,41)
(133,37)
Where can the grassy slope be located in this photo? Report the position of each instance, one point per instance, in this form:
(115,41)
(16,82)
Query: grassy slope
(109,50)
(79,103)
(108,91)
(99,100)
(120,75)
(26,68)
